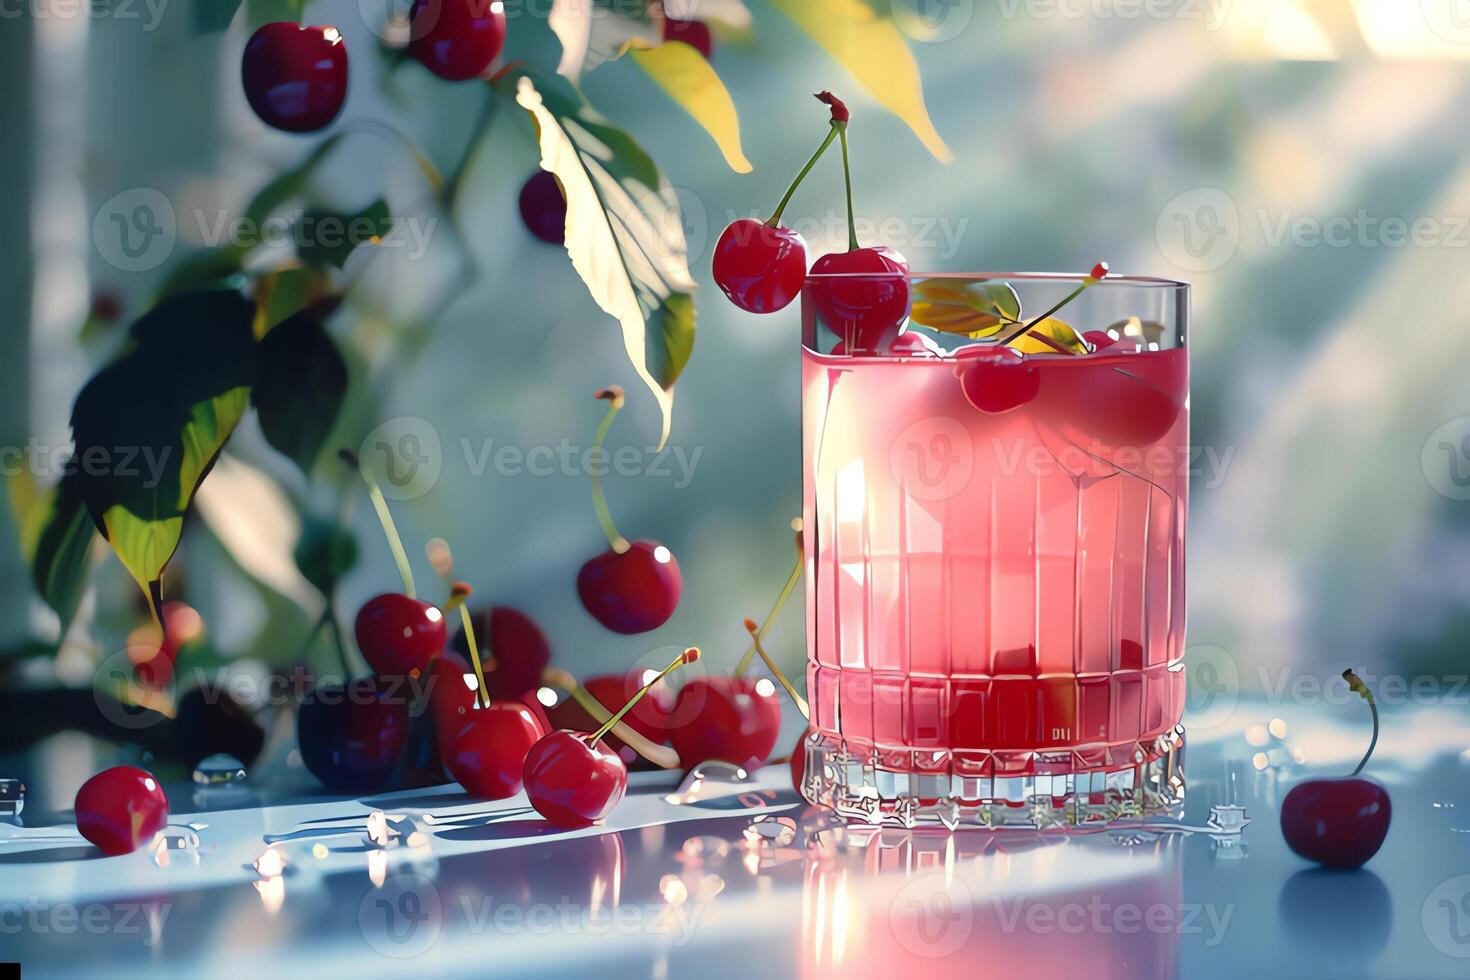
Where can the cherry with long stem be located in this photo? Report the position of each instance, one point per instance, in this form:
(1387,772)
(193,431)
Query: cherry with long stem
(458,595)
(615,400)
(385,518)
(1355,683)
(689,656)
(838,126)
(660,755)
(1098,274)
(776,672)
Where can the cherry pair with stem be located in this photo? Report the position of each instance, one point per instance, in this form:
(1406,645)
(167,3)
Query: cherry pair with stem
(633,586)
(863,293)
(295,76)
(1339,823)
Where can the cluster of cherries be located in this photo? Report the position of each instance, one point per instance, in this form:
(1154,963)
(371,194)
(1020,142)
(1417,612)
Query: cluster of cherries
(295,76)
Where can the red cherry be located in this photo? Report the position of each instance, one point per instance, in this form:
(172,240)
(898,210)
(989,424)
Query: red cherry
(694,33)
(865,299)
(1123,400)
(759,267)
(120,809)
(544,207)
(1099,340)
(1340,823)
(632,592)
(1099,271)
(295,77)
(997,379)
(107,306)
(573,781)
(451,686)
(725,718)
(398,635)
(798,764)
(456,39)
(352,738)
(911,343)
(490,750)
(519,648)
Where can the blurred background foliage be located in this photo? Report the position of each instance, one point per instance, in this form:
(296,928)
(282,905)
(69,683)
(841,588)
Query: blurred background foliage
(1187,139)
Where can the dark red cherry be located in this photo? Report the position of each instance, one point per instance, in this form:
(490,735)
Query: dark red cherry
(295,77)
(632,592)
(997,379)
(759,267)
(544,207)
(694,33)
(516,648)
(456,39)
(798,764)
(573,782)
(398,635)
(121,809)
(490,751)
(865,299)
(352,737)
(1340,823)
(649,717)
(1122,399)
(730,719)
(211,720)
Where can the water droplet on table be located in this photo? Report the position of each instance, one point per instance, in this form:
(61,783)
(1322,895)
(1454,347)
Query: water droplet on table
(12,800)
(220,769)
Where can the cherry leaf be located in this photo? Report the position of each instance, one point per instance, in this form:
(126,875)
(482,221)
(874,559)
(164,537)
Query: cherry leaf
(975,309)
(299,387)
(148,426)
(624,232)
(57,537)
(326,238)
(1061,334)
(687,77)
(596,31)
(873,51)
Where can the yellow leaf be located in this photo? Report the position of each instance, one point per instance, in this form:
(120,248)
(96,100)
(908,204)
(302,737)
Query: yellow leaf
(873,51)
(1061,334)
(689,80)
(592,33)
(975,309)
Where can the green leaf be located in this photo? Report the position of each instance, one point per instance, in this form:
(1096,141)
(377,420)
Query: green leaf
(975,309)
(624,232)
(872,49)
(299,387)
(59,551)
(281,294)
(326,238)
(148,426)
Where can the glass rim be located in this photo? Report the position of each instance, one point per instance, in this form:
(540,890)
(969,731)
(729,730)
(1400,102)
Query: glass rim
(1146,282)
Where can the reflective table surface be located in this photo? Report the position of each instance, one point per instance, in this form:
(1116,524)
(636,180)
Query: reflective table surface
(740,878)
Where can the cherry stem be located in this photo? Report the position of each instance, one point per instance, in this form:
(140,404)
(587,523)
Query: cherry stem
(1355,683)
(1087,283)
(395,544)
(461,592)
(776,672)
(660,755)
(614,398)
(687,657)
(786,591)
(852,241)
(786,199)
(340,644)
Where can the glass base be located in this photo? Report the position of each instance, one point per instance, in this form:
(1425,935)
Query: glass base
(866,788)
